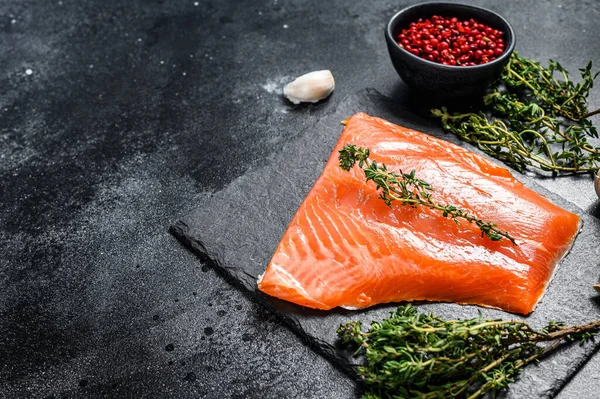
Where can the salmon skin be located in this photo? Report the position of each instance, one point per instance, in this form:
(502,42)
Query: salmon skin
(347,248)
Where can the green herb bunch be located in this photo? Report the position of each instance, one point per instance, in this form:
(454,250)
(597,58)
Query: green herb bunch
(532,120)
(407,189)
(416,355)
(563,98)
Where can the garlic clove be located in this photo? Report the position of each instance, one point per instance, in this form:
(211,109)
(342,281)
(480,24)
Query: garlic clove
(597,183)
(312,87)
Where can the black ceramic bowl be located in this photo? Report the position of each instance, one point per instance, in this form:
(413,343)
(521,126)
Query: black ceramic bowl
(441,81)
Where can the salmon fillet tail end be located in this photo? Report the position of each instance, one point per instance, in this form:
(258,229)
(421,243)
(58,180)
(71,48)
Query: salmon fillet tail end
(345,247)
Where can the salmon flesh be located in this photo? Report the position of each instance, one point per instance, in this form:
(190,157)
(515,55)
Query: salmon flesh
(345,247)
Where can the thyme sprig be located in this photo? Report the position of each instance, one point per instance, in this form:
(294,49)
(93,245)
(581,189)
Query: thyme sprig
(532,119)
(407,189)
(529,147)
(418,355)
(572,139)
(563,98)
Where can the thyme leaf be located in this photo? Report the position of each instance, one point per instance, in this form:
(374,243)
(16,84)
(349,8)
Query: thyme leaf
(407,189)
(418,355)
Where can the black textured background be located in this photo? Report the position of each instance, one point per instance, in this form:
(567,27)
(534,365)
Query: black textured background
(133,111)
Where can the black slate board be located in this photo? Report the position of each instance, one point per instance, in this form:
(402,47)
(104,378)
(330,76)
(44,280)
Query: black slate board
(238,228)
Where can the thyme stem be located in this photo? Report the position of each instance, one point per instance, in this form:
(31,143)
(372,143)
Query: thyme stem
(592,113)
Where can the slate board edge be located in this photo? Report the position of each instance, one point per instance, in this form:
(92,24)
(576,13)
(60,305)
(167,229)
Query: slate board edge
(577,366)
(232,275)
(180,231)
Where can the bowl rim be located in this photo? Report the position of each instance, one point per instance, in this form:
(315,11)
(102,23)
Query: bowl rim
(507,52)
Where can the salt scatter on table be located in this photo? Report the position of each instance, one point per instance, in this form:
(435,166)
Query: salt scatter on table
(274,85)
(271,87)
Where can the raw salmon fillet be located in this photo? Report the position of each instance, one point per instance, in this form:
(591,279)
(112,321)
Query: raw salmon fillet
(345,247)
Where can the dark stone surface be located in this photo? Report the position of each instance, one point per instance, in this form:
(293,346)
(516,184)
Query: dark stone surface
(133,112)
(261,203)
